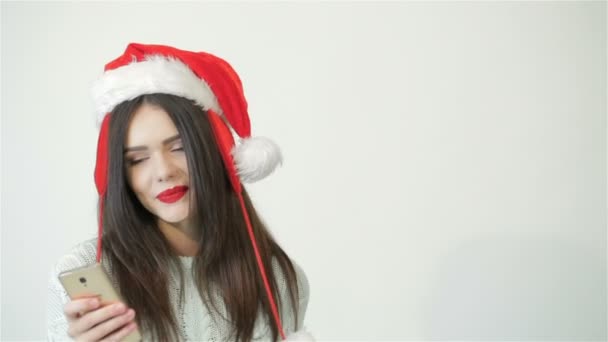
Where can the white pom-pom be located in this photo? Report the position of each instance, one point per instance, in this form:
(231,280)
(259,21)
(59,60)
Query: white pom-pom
(300,335)
(255,158)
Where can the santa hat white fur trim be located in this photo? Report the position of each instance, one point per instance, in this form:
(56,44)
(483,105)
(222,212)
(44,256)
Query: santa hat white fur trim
(300,335)
(156,74)
(255,158)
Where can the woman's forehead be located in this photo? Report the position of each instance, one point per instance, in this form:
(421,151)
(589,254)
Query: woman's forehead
(149,125)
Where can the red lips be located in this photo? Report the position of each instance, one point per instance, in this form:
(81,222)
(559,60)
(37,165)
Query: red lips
(172,195)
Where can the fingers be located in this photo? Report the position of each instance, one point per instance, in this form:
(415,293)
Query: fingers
(113,329)
(122,333)
(96,324)
(78,307)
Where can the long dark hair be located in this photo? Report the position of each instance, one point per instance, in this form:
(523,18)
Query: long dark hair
(140,256)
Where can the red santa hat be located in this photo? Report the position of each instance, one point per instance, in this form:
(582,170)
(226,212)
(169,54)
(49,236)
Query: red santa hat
(212,84)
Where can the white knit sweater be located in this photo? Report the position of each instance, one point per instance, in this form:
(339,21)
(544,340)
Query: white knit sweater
(195,322)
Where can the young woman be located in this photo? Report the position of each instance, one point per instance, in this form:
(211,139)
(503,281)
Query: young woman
(178,234)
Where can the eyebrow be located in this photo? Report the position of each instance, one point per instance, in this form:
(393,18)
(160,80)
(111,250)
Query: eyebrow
(142,148)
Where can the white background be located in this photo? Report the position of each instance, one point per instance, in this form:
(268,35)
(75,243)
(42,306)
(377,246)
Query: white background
(445,163)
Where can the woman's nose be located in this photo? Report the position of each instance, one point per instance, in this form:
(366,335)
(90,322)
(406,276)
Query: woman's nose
(165,168)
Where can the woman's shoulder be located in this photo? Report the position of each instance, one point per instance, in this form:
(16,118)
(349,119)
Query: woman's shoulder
(302,278)
(79,255)
(291,319)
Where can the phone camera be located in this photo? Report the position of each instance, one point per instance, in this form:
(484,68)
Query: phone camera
(83,280)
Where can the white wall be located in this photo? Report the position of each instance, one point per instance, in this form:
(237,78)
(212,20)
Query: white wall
(445,163)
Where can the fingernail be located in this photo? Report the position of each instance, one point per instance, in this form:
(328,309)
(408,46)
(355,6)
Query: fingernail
(119,306)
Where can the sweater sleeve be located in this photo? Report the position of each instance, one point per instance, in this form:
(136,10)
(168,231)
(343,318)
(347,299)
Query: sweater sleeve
(56,322)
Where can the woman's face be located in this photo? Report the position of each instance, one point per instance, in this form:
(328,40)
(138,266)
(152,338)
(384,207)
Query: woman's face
(155,161)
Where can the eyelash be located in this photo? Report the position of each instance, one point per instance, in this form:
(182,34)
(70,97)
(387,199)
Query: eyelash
(137,161)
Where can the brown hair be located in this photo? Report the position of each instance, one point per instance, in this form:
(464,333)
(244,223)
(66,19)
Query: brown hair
(140,257)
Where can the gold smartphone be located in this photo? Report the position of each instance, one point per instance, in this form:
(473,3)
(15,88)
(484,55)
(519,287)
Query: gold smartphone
(92,281)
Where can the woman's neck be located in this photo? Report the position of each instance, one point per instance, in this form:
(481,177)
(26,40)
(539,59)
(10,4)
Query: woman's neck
(183,238)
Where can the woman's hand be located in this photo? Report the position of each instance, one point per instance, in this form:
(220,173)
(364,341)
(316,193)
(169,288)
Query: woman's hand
(87,321)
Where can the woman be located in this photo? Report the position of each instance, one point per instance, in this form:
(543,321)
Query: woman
(178,234)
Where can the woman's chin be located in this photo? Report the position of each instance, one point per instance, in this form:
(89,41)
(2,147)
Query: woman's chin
(174,218)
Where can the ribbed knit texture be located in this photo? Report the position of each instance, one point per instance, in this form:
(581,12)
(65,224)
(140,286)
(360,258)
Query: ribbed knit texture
(195,322)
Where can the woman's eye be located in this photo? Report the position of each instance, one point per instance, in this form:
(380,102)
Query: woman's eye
(135,161)
(178,149)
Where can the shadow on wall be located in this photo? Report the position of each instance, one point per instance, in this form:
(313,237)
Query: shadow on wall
(510,288)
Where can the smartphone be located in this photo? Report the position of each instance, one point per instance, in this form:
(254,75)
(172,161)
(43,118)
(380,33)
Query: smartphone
(92,281)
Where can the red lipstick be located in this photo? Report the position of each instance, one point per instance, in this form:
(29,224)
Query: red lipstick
(172,195)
